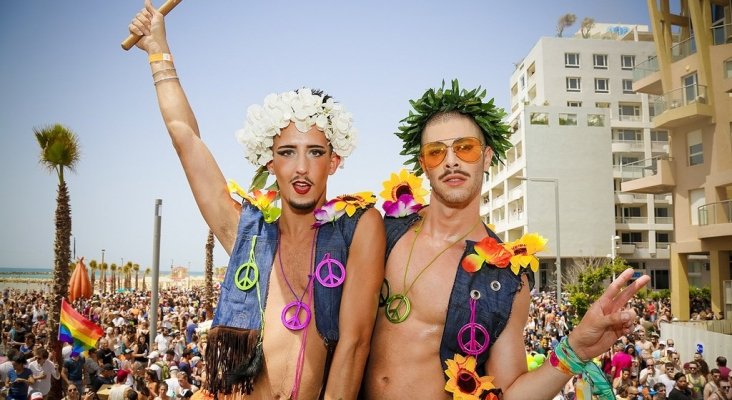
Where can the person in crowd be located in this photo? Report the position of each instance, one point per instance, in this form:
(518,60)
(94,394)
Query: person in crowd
(43,370)
(73,370)
(695,381)
(19,379)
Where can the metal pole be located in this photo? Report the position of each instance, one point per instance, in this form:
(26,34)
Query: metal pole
(559,259)
(104,284)
(155,271)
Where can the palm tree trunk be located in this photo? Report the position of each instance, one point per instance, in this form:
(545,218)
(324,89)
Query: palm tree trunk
(62,257)
(209,274)
(94,272)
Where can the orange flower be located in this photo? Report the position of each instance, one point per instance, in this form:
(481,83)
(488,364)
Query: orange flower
(463,382)
(488,250)
(523,251)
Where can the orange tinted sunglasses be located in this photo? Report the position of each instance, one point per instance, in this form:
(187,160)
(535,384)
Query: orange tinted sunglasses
(467,149)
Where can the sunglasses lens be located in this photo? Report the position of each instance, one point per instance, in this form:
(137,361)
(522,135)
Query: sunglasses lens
(433,154)
(468,149)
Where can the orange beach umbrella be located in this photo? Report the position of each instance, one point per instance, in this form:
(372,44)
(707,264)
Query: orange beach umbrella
(79,284)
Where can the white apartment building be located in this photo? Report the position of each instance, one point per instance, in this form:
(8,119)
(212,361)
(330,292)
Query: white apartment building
(576,120)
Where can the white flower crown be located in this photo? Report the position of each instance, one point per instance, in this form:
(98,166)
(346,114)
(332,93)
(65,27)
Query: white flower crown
(305,109)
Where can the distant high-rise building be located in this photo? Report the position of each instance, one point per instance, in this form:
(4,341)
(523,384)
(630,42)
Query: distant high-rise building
(576,120)
(690,83)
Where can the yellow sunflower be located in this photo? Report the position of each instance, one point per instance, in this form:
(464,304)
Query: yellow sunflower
(403,183)
(351,202)
(463,382)
(523,251)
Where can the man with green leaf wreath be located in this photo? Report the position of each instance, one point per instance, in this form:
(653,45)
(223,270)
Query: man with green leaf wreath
(297,304)
(455,299)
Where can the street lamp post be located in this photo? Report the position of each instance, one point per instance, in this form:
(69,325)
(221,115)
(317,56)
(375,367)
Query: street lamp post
(73,240)
(613,250)
(558,261)
(103,285)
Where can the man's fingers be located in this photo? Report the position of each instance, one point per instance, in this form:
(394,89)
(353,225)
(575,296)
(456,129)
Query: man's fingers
(630,291)
(135,30)
(618,284)
(149,7)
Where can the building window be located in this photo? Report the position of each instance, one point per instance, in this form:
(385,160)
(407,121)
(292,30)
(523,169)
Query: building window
(602,104)
(539,118)
(696,150)
(567,119)
(631,237)
(696,200)
(662,212)
(628,86)
(691,89)
(728,68)
(628,135)
(602,85)
(627,62)
(522,82)
(573,84)
(659,136)
(629,112)
(663,237)
(574,104)
(595,120)
(660,279)
(599,61)
(571,60)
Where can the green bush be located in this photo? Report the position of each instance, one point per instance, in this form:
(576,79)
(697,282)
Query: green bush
(591,285)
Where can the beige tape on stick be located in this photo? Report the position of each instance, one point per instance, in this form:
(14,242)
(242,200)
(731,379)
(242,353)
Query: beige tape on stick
(164,9)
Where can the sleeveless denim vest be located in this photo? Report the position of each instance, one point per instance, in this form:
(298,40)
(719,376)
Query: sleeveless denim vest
(238,309)
(496,286)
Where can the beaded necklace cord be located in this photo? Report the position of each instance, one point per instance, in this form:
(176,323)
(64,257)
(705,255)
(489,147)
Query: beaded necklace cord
(395,314)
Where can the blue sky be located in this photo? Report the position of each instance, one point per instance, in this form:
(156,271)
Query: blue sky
(61,63)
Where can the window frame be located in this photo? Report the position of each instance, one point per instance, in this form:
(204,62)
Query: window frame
(607,85)
(628,89)
(566,60)
(623,64)
(570,79)
(596,65)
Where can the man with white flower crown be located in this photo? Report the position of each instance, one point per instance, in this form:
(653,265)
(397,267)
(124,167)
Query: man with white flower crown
(455,298)
(298,301)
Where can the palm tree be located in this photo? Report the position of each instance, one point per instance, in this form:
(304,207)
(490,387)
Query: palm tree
(104,267)
(128,275)
(113,284)
(59,151)
(93,266)
(587,24)
(144,279)
(209,273)
(136,268)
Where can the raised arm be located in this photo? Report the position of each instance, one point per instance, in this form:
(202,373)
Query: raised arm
(204,176)
(359,304)
(605,321)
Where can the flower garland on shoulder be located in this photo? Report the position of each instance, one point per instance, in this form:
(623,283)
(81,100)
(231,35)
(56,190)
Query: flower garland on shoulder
(518,254)
(305,108)
(263,200)
(345,204)
(403,194)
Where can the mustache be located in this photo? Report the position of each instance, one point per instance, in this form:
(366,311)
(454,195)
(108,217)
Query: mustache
(453,172)
(301,178)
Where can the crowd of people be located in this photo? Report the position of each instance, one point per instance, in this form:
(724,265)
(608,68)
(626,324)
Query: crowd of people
(640,366)
(127,365)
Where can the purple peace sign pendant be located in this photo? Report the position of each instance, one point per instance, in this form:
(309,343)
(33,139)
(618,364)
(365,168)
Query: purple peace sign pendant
(473,347)
(293,321)
(332,278)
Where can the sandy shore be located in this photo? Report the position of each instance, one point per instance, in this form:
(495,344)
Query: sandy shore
(29,284)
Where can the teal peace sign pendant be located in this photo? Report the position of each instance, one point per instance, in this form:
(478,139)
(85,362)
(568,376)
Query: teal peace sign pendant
(246,276)
(397,308)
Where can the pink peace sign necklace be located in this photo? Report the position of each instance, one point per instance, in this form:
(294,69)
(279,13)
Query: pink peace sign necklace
(297,306)
(473,346)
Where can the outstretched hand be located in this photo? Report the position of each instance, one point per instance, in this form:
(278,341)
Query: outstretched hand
(607,319)
(149,24)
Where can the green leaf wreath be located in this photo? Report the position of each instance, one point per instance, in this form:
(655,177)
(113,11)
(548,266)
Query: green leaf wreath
(488,117)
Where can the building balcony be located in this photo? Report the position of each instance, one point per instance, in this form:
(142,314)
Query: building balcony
(515,193)
(663,198)
(664,223)
(627,146)
(659,147)
(722,34)
(715,220)
(624,198)
(631,222)
(485,209)
(662,250)
(499,201)
(647,77)
(654,175)
(682,106)
(626,248)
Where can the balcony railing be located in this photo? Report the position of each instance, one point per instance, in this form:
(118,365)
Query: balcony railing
(716,213)
(642,168)
(664,220)
(645,68)
(627,117)
(722,34)
(680,97)
(683,49)
(631,220)
(662,245)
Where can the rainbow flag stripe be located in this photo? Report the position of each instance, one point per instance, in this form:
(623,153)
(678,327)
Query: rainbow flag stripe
(77,330)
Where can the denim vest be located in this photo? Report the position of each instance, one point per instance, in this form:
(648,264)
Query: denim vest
(497,288)
(240,309)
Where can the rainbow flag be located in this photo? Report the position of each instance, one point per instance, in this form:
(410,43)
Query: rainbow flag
(77,330)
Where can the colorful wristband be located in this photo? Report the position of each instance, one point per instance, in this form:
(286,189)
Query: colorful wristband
(160,57)
(567,359)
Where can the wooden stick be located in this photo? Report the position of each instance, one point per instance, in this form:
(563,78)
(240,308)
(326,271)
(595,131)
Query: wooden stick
(164,9)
